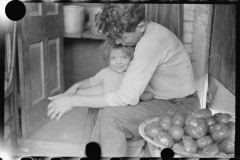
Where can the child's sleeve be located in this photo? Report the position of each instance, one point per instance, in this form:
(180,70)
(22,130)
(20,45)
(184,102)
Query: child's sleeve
(98,78)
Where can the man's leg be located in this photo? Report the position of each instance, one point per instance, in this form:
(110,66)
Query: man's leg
(115,124)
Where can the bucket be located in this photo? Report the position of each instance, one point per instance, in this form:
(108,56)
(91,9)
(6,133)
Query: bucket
(74,16)
(92,12)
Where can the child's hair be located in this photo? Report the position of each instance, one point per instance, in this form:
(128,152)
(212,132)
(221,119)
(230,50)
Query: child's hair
(115,19)
(110,45)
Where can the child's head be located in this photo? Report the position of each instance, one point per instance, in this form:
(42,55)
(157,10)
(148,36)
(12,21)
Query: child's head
(117,56)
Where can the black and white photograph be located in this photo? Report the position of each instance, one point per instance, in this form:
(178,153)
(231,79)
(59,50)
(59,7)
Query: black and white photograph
(119,80)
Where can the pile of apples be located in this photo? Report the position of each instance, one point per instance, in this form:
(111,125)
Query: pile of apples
(197,133)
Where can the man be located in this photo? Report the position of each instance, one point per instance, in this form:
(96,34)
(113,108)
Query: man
(160,59)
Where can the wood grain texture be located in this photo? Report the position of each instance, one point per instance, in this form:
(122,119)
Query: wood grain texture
(37,72)
(201,41)
(188,15)
(54,84)
(187,26)
(189,6)
(223,46)
(187,37)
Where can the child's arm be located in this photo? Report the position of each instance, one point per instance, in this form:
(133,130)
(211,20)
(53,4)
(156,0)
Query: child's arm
(90,91)
(147,96)
(79,85)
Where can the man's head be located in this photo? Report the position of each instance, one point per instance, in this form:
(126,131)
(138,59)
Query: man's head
(122,22)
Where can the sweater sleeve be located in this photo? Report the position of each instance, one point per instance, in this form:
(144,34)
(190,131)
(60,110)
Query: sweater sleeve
(148,55)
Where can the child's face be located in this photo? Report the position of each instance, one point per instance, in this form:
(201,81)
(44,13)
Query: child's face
(119,61)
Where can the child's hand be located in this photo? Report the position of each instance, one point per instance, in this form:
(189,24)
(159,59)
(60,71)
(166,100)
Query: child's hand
(71,91)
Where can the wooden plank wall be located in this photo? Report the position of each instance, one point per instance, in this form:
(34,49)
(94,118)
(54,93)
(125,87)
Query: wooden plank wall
(222,61)
(196,39)
(83,59)
(188,21)
(223,46)
(217,88)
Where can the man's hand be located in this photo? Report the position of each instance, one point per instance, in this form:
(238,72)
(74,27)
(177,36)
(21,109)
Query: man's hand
(59,106)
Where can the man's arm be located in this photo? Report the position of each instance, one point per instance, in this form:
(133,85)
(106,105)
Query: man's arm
(93,101)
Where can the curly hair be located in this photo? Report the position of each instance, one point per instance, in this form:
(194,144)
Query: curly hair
(115,19)
(109,45)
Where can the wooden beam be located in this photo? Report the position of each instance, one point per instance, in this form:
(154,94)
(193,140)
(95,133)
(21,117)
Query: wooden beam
(201,44)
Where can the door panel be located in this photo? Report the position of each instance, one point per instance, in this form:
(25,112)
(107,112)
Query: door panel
(37,72)
(54,66)
(40,59)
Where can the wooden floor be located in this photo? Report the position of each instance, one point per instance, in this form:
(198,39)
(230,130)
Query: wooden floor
(57,138)
(63,138)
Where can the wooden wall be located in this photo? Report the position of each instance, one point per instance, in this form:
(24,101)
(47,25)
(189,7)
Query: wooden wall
(188,21)
(223,46)
(200,48)
(83,59)
(222,59)
(213,60)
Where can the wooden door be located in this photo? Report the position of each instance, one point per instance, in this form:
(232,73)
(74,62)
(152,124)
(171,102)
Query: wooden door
(40,62)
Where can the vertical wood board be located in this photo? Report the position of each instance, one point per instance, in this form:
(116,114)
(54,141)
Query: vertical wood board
(223,46)
(200,53)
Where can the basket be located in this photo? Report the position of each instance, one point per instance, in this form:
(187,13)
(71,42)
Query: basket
(74,16)
(156,148)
